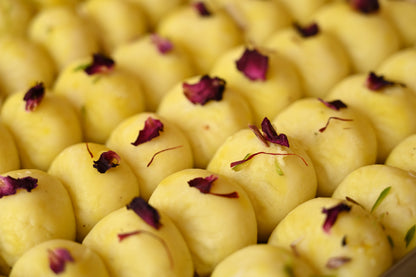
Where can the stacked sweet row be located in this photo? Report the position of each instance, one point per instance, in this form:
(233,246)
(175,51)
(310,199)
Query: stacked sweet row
(216,138)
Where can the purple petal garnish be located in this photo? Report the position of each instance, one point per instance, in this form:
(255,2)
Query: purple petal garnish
(201,8)
(58,258)
(123,236)
(100,64)
(10,185)
(271,135)
(152,129)
(259,135)
(253,65)
(307,31)
(34,96)
(204,186)
(149,214)
(205,90)
(335,105)
(106,161)
(377,82)
(365,6)
(332,215)
(163,44)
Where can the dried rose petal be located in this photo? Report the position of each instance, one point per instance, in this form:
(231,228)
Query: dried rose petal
(271,135)
(58,258)
(204,186)
(336,262)
(205,90)
(307,31)
(34,96)
(335,105)
(201,8)
(377,82)
(333,118)
(163,44)
(100,64)
(152,129)
(259,135)
(9,185)
(365,6)
(123,236)
(253,65)
(106,161)
(332,215)
(149,214)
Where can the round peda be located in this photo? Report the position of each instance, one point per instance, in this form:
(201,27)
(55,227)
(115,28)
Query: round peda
(22,63)
(133,244)
(276,84)
(203,33)
(276,178)
(65,258)
(389,193)
(118,22)
(158,63)
(206,123)
(97,179)
(40,209)
(390,106)
(213,213)
(42,133)
(312,53)
(337,237)
(65,35)
(102,99)
(156,157)
(338,139)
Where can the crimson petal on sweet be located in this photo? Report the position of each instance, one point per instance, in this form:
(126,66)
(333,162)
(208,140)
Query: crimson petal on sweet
(332,215)
(148,213)
(365,6)
(106,161)
(307,31)
(58,258)
(163,44)
(152,129)
(205,90)
(253,65)
(10,185)
(271,135)
(335,105)
(34,96)
(100,64)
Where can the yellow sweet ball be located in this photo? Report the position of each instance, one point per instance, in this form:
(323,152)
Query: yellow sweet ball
(97,179)
(389,105)
(336,236)
(213,213)
(22,63)
(276,177)
(65,258)
(35,207)
(140,240)
(389,193)
(207,111)
(337,138)
(153,146)
(42,124)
